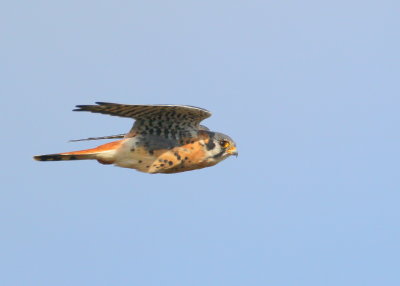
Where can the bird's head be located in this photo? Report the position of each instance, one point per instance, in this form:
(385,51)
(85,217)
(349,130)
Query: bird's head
(220,147)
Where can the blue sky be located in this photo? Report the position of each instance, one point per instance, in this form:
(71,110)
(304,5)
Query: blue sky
(309,90)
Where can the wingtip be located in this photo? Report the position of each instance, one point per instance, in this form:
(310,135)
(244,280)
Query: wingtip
(84,107)
(79,108)
(103,103)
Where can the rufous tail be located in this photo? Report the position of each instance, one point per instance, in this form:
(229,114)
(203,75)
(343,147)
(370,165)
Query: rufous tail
(94,153)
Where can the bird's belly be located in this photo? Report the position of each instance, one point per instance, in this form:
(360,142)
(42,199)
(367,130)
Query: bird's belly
(134,158)
(174,160)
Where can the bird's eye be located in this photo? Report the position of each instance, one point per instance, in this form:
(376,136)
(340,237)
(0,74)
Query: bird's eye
(224,143)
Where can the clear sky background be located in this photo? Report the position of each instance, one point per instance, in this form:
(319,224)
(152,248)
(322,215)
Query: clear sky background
(309,90)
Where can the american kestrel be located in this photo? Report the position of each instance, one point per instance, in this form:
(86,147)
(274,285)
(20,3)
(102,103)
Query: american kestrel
(163,139)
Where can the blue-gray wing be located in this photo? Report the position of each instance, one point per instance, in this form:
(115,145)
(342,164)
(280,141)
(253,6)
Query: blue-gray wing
(173,121)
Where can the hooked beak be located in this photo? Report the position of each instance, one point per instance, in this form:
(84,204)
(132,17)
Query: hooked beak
(232,151)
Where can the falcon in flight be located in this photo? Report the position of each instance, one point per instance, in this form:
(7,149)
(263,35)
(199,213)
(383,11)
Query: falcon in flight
(163,139)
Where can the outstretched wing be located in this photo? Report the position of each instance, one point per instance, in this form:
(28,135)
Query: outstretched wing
(192,113)
(172,121)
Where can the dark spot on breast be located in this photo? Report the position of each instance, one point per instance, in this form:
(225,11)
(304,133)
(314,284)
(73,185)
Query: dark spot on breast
(140,161)
(170,163)
(132,149)
(162,165)
(151,152)
(177,156)
(186,158)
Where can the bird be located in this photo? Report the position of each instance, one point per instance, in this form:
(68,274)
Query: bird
(164,139)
